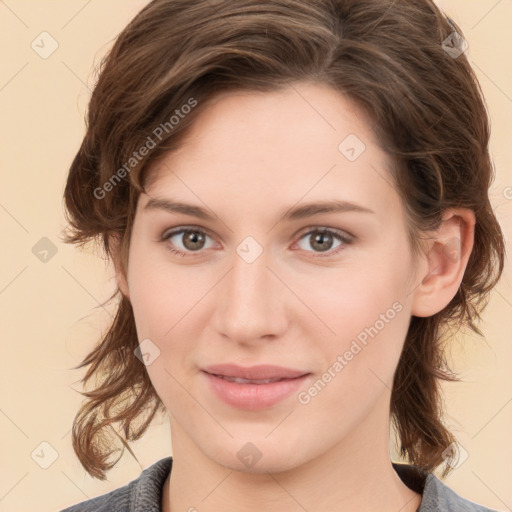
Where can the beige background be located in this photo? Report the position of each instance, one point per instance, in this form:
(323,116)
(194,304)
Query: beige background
(50,310)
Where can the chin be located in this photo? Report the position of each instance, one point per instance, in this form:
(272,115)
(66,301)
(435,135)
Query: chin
(257,456)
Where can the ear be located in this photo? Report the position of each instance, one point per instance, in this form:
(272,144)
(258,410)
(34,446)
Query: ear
(444,263)
(115,246)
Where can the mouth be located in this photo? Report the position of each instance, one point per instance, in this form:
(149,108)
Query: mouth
(241,380)
(259,373)
(253,388)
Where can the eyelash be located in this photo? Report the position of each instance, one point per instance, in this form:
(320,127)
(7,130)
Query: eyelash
(336,233)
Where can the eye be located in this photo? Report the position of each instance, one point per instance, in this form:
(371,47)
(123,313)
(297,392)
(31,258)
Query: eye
(193,241)
(322,240)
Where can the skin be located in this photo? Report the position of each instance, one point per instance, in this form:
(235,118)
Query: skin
(250,157)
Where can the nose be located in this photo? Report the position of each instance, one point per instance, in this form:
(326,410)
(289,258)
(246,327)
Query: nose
(251,301)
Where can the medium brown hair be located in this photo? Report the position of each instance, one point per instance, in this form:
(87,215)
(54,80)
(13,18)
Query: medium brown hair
(388,56)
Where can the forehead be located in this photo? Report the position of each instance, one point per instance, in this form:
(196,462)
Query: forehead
(258,149)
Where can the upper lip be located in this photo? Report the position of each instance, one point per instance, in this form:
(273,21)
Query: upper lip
(259,372)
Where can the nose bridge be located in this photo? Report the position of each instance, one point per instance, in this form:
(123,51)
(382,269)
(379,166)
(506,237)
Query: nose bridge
(248,304)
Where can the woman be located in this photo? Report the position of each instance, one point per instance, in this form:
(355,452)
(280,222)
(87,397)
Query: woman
(227,142)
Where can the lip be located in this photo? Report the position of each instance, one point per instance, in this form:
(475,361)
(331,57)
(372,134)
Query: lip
(253,396)
(259,372)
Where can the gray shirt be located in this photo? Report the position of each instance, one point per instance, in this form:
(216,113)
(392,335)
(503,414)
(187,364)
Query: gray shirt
(144,494)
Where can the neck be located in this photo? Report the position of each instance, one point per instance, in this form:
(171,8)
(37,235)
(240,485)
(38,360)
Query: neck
(355,475)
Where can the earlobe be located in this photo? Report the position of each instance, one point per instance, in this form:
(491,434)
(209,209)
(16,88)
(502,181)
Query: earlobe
(115,246)
(448,255)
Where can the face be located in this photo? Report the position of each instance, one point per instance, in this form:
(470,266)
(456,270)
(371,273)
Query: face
(262,280)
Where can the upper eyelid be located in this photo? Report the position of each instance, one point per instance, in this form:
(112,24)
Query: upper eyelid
(183,229)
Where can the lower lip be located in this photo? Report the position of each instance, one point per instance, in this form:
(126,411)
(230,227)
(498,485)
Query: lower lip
(253,397)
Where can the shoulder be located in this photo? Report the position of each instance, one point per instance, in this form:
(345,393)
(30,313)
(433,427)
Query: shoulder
(142,494)
(436,495)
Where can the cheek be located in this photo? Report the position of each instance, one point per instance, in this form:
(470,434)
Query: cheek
(161,292)
(350,299)
(367,321)
(360,360)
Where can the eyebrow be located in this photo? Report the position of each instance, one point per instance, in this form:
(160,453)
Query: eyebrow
(293,213)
